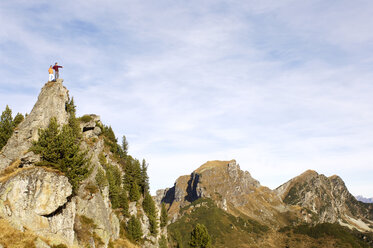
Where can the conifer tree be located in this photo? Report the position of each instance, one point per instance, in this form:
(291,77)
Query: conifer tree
(164,216)
(144,183)
(124,145)
(123,202)
(134,231)
(101,179)
(18,119)
(200,237)
(114,179)
(6,126)
(149,208)
(148,205)
(134,193)
(60,149)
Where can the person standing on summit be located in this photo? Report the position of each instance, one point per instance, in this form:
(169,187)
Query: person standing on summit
(55,68)
(51,76)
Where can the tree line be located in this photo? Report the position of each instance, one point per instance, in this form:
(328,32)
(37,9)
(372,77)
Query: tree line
(8,124)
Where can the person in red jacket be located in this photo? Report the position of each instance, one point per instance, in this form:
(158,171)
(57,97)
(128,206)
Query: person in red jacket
(55,68)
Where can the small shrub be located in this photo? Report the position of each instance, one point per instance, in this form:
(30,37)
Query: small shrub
(59,246)
(163,242)
(85,118)
(91,188)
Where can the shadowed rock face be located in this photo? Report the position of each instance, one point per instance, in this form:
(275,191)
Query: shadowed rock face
(51,103)
(231,189)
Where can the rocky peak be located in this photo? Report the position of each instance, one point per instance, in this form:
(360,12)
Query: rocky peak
(327,197)
(228,186)
(51,103)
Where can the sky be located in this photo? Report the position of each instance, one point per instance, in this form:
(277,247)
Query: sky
(280,86)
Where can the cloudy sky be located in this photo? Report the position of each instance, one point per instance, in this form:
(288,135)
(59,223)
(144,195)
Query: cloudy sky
(280,86)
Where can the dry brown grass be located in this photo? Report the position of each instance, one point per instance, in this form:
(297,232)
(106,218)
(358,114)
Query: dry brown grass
(212,164)
(11,237)
(11,171)
(123,243)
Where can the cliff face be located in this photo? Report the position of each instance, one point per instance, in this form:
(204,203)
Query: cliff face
(232,189)
(328,199)
(40,199)
(256,216)
(51,103)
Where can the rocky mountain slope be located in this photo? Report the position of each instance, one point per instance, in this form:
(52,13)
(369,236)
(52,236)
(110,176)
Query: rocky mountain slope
(328,199)
(259,216)
(41,200)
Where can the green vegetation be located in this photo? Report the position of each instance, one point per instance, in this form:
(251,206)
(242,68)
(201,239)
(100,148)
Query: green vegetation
(8,124)
(225,229)
(101,179)
(200,237)
(332,230)
(164,216)
(59,246)
(59,149)
(85,231)
(85,118)
(150,211)
(133,229)
(163,242)
(124,145)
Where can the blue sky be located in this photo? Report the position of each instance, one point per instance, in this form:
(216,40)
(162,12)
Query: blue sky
(280,86)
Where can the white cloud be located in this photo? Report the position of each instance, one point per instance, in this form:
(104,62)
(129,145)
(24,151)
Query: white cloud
(280,86)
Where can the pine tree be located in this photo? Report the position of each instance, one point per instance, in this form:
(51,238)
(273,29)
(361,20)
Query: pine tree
(144,183)
(134,231)
(200,237)
(48,145)
(164,216)
(148,205)
(153,225)
(134,193)
(61,150)
(137,172)
(114,179)
(101,179)
(18,119)
(149,208)
(124,145)
(6,126)
(132,174)
(123,202)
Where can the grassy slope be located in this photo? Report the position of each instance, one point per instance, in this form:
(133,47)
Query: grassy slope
(227,230)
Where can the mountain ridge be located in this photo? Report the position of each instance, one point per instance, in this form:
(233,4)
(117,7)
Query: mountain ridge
(238,194)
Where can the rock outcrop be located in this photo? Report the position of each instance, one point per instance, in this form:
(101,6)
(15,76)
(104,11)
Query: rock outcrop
(51,103)
(39,200)
(328,199)
(232,189)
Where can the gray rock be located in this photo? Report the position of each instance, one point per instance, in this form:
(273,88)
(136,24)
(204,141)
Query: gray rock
(51,103)
(38,200)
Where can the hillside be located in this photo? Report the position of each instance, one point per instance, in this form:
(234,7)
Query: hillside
(65,181)
(239,212)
